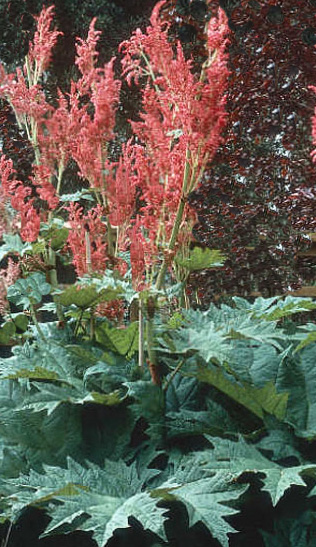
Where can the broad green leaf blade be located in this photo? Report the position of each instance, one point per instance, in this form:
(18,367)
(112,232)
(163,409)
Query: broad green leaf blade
(297,376)
(212,333)
(107,399)
(310,339)
(277,481)
(36,373)
(257,400)
(144,508)
(200,259)
(280,441)
(21,322)
(239,457)
(13,244)
(94,498)
(82,297)
(59,238)
(275,308)
(6,332)
(206,500)
(209,342)
(148,403)
(93,510)
(30,289)
(49,396)
(123,341)
(299,531)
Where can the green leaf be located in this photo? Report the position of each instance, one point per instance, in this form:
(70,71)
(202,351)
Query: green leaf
(238,457)
(87,296)
(298,531)
(121,340)
(205,501)
(21,322)
(142,507)
(175,321)
(310,338)
(81,297)
(107,399)
(93,498)
(38,373)
(209,342)
(13,244)
(6,332)
(42,438)
(148,403)
(257,400)
(297,376)
(212,333)
(77,196)
(200,259)
(29,290)
(275,308)
(182,393)
(59,238)
(280,441)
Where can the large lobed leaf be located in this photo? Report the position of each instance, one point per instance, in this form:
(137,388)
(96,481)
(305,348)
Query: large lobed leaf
(275,308)
(238,457)
(90,498)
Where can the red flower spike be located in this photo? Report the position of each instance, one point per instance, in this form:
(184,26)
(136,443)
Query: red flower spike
(78,223)
(180,124)
(40,50)
(44,187)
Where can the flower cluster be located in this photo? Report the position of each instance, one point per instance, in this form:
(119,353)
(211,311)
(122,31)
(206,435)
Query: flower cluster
(8,277)
(181,123)
(87,239)
(19,196)
(40,50)
(45,189)
(178,131)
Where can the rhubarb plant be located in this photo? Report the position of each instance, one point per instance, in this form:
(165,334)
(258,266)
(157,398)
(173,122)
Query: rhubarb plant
(133,410)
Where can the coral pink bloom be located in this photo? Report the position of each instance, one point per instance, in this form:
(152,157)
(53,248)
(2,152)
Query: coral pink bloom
(27,100)
(87,56)
(57,134)
(18,194)
(8,277)
(180,123)
(121,188)
(30,223)
(81,225)
(40,49)
(96,126)
(44,188)
(137,257)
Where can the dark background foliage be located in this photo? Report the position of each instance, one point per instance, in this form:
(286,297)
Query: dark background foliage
(258,198)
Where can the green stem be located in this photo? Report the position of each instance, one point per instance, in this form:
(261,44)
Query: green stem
(36,323)
(59,177)
(150,339)
(178,220)
(54,282)
(78,323)
(140,334)
(109,231)
(172,375)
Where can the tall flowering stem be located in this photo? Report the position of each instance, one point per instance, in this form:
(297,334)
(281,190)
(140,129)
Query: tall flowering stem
(180,130)
(141,199)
